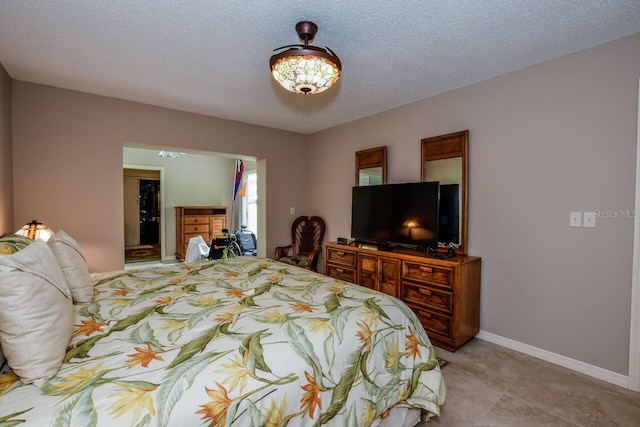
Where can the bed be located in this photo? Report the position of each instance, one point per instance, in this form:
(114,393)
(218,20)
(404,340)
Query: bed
(237,342)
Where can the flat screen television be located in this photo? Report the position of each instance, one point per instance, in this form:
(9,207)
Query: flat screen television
(405,214)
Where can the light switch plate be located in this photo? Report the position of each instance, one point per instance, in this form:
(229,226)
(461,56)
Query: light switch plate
(589,219)
(575,219)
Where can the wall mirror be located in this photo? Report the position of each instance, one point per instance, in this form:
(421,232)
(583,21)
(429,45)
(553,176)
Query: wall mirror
(444,159)
(371,166)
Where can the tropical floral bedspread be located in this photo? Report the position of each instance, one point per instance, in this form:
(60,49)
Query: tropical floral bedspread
(238,342)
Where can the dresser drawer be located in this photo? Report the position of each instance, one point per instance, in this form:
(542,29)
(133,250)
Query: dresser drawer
(196,220)
(195,229)
(367,279)
(346,274)
(341,257)
(389,289)
(426,273)
(389,276)
(427,297)
(390,271)
(368,263)
(367,271)
(434,322)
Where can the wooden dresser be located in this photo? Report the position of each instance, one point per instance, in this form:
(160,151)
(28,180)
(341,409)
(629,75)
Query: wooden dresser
(193,221)
(444,294)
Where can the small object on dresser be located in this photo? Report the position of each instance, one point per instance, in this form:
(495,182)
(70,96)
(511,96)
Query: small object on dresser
(342,240)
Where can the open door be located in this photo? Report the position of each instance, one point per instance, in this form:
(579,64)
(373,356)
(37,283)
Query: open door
(142,222)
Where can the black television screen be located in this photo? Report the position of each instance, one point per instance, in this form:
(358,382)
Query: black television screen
(396,213)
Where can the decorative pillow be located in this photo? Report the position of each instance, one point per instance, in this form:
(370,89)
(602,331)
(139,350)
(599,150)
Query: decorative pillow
(12,243)
(36,313)
(74,266)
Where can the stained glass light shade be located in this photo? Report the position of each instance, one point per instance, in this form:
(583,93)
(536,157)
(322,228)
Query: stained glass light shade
(304,68)
(35,230)
(305,74)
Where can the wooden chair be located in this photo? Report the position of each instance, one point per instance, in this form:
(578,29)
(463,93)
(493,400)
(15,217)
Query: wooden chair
(307,233)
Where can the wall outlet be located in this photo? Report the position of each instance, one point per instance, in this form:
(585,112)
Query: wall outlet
(575,219)
(293,211)
(589,219)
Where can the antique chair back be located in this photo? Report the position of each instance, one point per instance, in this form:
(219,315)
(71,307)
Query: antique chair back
(307,234)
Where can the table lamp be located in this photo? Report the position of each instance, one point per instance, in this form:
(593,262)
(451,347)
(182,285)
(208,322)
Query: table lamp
(35,230)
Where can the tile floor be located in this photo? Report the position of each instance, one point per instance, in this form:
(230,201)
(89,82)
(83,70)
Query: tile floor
(490,385)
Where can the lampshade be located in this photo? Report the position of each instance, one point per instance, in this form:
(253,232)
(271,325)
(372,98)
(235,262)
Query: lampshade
(303,68)
(35,230)
(410,223)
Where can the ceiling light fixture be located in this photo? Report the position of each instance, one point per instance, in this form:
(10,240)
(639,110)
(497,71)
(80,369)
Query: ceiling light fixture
(169,154)
(304,68)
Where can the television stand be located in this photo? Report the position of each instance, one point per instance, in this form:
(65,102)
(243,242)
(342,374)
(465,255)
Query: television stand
(444,293)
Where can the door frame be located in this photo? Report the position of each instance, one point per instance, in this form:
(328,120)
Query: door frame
(162,199)
(634,332)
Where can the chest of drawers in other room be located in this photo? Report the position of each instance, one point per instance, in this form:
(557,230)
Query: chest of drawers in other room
(444,294)
(193,221)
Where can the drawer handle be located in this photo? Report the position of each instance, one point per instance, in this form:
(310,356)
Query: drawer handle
(339,270)
(425,291)
(426,269)
(340,253)
(425,314)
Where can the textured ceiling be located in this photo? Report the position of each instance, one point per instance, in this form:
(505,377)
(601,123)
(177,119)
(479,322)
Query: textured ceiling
(211,57)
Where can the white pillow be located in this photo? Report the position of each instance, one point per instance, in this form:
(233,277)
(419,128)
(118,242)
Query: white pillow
(74,266)
(36,313)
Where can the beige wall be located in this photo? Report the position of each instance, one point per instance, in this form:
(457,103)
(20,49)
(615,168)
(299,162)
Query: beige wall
(68,162)
(545,140)
(6,168)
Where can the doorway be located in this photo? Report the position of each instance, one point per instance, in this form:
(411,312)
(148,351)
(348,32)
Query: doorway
(142,215)
(249,202)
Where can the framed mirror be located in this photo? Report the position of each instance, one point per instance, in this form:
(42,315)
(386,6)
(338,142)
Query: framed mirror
(371,166)
(445,159)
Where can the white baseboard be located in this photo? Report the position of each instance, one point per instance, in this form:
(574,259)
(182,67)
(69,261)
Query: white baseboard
(558,359)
